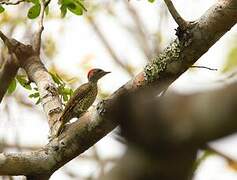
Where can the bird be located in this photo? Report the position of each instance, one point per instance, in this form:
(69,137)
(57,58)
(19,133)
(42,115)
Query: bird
(82,98)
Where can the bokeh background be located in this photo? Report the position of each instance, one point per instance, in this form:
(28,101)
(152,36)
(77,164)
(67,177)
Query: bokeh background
(119,36)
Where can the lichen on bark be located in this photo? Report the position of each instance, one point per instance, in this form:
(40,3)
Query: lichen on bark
(160,63)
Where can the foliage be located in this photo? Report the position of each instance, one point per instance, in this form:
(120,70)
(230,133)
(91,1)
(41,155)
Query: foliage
(75,6)
(35,94)
(64,91)
(23,82)
(231,61)
(34,11)
(1,9)
(12,86)
(202,158)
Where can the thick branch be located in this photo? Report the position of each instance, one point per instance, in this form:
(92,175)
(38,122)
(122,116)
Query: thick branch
(163,131)
(181,119)
(30,61)
(94,125)
(48,93)
(139,164)
(192,43)
(7,74)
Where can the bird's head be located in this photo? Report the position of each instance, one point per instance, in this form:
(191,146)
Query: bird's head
(95,74)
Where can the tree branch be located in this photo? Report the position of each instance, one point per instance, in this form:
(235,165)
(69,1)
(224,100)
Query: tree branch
(193,43)
(204,67)
(163,131)
(11,3)
(95,124)
(184,119)
(144,44)
(30,61)
(179,20)
(37,38)
(107,46)
(226,157)
(7,74)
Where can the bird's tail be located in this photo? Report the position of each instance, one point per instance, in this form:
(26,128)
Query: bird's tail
(59,127)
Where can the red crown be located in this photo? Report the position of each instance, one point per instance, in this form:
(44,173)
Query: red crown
(91,73)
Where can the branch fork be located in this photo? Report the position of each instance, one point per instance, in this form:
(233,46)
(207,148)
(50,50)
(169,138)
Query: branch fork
(177,17)
(28,57)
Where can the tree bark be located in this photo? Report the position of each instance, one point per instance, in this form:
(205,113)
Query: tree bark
(7,74)
(190,45)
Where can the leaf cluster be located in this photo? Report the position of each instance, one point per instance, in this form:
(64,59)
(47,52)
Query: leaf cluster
(25,83)
(64,91)
(75,6)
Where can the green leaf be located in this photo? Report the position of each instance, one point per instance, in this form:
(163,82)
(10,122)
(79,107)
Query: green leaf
(151,1)
(34,11)
(67,91)
(47,10)
(12,87)
(59,78)
(60,89)
(65,97)
(231,61)
(27,86)
(23,82)
(35,1)
(79,3)
(75,8)
(34,95)
(56,79)
(71,92)
(1,9)
(202,158)
(63,9)
(38,101)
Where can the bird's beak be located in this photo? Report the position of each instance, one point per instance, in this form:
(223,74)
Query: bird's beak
(106,72)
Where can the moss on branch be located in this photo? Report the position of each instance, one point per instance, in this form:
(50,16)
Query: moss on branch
(161,63)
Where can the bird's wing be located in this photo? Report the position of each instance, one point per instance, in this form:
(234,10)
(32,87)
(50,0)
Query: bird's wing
(78,94)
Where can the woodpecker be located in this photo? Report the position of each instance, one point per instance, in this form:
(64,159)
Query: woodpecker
(82,98)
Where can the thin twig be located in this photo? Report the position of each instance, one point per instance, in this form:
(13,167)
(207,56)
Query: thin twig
(37,38)
(179,20)
(140,29)
(3,37)
(107,45)
(229,159)
(11,3)
(204,67)
(10,43)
